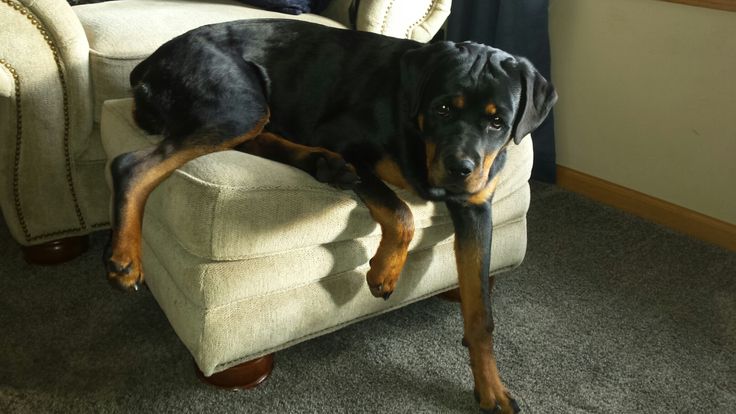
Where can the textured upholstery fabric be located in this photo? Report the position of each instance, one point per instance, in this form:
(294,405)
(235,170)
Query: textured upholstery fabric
(247,256)
(59,63)
(44,108)
(401,18)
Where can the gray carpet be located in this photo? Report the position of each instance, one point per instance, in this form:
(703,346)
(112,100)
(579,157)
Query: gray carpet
(608,314)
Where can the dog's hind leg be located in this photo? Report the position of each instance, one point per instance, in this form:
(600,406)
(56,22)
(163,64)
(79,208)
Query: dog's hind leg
(136,174)
(324,165)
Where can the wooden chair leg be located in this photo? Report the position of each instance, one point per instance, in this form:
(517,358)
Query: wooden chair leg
(56,251)
(244,376)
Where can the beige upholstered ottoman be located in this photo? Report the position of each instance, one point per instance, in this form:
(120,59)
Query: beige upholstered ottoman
(247,256)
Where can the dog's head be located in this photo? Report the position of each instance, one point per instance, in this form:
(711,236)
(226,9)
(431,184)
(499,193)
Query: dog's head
(467,101)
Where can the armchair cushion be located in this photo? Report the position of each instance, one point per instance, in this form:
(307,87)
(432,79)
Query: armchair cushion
(122,33)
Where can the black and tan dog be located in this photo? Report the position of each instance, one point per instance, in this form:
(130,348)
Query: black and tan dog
(355,110)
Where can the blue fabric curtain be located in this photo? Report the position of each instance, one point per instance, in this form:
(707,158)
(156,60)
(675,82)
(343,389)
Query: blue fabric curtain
(520,28)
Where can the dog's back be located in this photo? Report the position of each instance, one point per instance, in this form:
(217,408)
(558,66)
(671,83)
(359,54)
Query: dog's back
(293,60)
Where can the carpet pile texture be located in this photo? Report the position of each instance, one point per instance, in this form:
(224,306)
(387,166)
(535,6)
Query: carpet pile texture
(607,314)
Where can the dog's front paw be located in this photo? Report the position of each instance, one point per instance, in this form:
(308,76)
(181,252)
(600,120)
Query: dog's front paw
(506,405)
(499,409)
(384,274)
(335,171)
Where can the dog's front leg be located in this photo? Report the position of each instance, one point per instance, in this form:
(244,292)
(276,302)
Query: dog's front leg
(397,228)
(473,235)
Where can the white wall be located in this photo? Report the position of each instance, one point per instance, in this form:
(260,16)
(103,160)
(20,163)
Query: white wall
(648,98)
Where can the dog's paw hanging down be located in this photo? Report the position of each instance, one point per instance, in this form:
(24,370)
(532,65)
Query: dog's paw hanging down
(126,275)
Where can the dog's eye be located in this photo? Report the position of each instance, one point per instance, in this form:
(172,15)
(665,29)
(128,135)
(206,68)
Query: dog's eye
(442,110)
(496,122)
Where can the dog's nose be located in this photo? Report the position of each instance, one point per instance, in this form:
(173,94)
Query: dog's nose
(460,167)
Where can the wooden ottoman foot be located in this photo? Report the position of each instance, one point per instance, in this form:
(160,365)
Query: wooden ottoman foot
(56,251)
(246,375)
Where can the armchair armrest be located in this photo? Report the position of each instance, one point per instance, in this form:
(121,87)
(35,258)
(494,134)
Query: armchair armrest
(416,19)
(46,114)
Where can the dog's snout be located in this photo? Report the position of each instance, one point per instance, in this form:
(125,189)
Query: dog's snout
(459,167)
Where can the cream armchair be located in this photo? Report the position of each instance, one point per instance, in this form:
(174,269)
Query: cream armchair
(59,63)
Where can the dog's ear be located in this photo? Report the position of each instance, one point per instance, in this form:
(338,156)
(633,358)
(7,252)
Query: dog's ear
(417,66)
(536,100)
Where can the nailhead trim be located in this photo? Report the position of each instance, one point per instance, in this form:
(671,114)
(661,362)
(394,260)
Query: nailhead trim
(385,17)
(19,128)
(411,28)
(18,141)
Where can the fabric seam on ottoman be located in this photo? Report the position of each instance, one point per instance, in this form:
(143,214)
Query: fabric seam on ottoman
(343,324)
(194,302)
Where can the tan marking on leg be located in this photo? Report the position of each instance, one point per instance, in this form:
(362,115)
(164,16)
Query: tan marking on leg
(420,122)
(126,239)
(277,148)
(257,129)
(479,339)
(397,231)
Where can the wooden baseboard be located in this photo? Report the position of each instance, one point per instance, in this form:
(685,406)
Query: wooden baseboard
(653,209)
